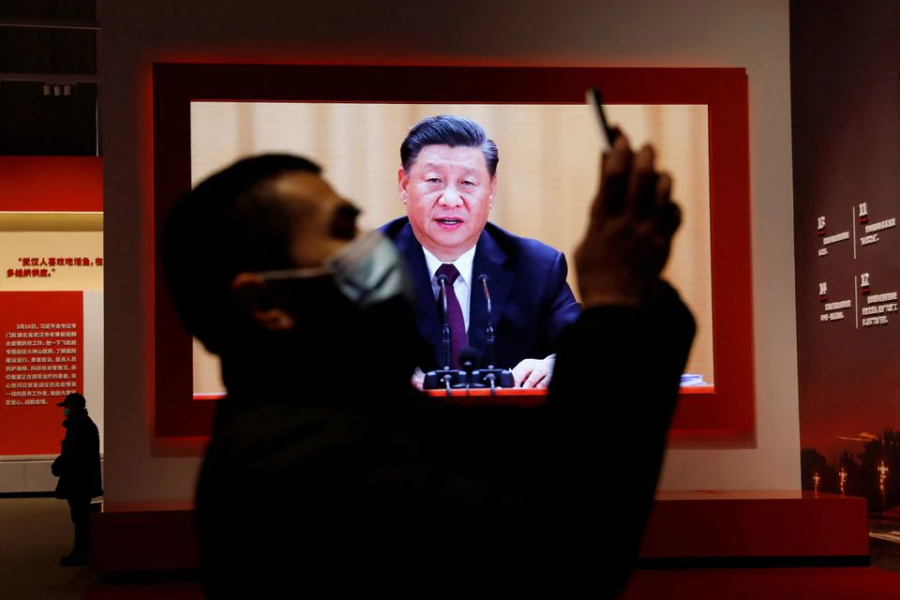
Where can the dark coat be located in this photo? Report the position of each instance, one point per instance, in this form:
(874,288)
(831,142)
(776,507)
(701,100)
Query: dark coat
(78,466)
(363,487)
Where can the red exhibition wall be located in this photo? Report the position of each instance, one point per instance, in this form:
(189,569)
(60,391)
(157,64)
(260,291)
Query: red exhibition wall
(847,248)
(726,412)
(42,331)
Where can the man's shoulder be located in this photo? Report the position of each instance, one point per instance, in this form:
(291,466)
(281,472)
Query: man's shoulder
(79,428)
(521,247)
(494,238)
(392,229)
(90,426)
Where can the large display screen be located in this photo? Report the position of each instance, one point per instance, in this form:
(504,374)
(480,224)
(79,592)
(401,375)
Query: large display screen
(546,178)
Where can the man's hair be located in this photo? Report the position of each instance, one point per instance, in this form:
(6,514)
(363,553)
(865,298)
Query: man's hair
(232,222)
(448,130)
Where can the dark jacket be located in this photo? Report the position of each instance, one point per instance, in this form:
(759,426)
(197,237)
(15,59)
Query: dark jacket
(78,466)
(363,488)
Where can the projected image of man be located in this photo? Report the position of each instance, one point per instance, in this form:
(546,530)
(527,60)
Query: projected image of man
(447,182)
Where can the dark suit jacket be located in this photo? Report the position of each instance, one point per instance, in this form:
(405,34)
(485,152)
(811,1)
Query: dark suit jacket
(532,303)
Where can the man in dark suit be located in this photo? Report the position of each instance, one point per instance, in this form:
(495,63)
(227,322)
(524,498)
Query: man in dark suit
(448,180)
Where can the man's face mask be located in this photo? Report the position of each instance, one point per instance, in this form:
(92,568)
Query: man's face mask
(358,306)
(367,272)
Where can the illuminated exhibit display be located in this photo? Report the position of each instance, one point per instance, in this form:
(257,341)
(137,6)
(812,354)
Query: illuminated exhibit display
(547,168)
(352,120)
(51,298)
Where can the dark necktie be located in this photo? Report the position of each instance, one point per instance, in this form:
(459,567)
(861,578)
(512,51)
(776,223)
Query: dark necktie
(454,315)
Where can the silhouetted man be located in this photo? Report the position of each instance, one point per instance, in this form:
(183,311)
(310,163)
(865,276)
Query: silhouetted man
(327,469)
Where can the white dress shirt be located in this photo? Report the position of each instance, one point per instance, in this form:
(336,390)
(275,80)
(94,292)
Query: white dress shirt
(463,284)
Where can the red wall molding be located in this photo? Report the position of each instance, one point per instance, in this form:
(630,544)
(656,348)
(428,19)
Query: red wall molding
(726,413)
(51,184)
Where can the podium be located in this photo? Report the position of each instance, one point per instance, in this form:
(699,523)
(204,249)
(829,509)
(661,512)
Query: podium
(504,396)
(520,396)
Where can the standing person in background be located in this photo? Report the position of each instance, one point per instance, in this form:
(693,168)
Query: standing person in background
(78,469)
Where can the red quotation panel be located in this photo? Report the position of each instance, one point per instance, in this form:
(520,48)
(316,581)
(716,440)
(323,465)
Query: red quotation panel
(724,413)
(43,354)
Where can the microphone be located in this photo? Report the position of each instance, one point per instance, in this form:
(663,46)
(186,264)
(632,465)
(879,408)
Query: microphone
(489,328)
(443,281)
(483,280)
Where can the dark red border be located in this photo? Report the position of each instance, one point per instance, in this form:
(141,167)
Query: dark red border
(51,184)
(730,410)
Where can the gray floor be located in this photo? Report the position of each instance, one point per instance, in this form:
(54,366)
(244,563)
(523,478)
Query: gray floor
(34,534)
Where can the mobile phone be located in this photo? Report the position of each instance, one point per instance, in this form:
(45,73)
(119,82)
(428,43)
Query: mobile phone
(596,100)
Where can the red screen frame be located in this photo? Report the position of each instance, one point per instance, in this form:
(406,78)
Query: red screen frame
(728,412)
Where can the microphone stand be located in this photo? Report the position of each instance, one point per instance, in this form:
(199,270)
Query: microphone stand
(445,328)
(445,375)
(489,328)
(491,375)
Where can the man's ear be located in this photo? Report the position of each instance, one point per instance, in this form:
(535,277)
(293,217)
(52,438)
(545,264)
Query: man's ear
(493,189)
(403,184)
(253,297)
